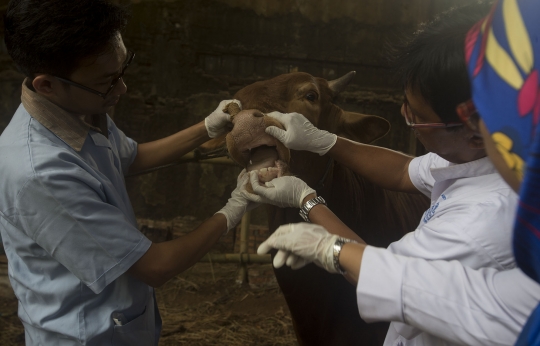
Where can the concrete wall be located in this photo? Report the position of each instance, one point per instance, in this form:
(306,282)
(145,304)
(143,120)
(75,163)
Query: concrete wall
(192,54)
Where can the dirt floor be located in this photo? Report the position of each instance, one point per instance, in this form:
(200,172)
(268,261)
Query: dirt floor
(205,306)
(202,306)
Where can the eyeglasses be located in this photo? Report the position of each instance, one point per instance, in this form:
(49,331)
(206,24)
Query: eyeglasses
(409,119)
(115,80)
(468,114)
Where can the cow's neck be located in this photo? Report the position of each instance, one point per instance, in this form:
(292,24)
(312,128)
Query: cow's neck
(319,187)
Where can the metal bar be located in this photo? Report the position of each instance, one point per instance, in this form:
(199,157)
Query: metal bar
(189,157)
(244,258)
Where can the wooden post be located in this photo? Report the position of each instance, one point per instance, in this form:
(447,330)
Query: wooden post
(244,234)
(236,258)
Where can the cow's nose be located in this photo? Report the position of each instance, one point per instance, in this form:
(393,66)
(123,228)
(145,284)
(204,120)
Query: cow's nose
(254,113)
(247,116)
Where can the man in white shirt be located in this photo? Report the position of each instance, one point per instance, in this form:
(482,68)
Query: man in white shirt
(472,209)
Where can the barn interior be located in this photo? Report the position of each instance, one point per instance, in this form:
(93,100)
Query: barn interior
(190,55)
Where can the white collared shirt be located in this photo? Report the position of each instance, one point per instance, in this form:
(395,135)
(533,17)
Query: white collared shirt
(470,220)
(456,304)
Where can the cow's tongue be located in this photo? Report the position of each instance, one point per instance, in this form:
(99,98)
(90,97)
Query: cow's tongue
(265,161)
(262,157)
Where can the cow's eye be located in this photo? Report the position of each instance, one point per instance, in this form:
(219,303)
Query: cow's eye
(311,96)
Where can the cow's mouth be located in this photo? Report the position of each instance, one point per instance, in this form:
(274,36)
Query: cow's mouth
(252,148)
(266,161)
(261,157)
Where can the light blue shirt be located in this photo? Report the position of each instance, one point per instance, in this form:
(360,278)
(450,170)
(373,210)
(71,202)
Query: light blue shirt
(70,235)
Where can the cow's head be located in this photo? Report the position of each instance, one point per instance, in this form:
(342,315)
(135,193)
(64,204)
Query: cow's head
(302,93)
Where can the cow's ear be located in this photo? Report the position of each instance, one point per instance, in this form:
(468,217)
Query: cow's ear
(361,127)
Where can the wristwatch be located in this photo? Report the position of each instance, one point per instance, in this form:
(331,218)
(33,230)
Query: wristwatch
(304,211)
(338,245)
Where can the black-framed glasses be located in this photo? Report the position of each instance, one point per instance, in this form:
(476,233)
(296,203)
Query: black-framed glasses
(409,119)
(115,80)
(468,114)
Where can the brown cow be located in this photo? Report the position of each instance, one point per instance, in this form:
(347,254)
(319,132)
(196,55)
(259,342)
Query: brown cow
(322,305)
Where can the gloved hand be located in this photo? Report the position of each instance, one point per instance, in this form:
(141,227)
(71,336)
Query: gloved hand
(300,134)
(216,122)
(285,257)
(311,242)
(238,205)
(283,192)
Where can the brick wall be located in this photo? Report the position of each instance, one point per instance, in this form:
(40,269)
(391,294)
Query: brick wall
(192,54)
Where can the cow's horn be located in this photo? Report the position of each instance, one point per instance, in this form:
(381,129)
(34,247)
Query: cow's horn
(337,85)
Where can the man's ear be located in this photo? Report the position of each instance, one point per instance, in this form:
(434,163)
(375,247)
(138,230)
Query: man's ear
(361,127)
(476,141)
(45,84)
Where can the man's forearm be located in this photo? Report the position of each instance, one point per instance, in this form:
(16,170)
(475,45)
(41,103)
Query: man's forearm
(164,260)
(350,259)
(321,215)
(169,149)
(384,167)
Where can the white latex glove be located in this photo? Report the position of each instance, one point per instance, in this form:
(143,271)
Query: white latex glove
(216,122)
(285,257)
(311,242)
(284,192)
(300,134)
(238,204)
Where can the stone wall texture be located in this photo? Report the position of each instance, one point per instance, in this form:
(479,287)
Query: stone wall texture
(192,54)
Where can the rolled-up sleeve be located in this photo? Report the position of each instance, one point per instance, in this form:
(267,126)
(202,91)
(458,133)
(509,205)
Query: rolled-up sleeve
(445,299)
(420,172)
(67,213)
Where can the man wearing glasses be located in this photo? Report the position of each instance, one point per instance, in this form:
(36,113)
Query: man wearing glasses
(81,270)
(472,208)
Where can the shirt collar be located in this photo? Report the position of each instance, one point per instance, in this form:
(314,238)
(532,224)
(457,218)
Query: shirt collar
(471,169)
(70,128)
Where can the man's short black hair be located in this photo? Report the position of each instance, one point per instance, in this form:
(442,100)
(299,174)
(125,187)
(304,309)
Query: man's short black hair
(432,61)
(53,36)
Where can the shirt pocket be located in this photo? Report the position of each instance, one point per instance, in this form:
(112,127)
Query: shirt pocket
(138,331)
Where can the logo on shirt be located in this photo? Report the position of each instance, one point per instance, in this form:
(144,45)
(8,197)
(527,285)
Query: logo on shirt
(430,212)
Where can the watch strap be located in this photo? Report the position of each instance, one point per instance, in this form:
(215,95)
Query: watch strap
(338,246)
(306,208)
